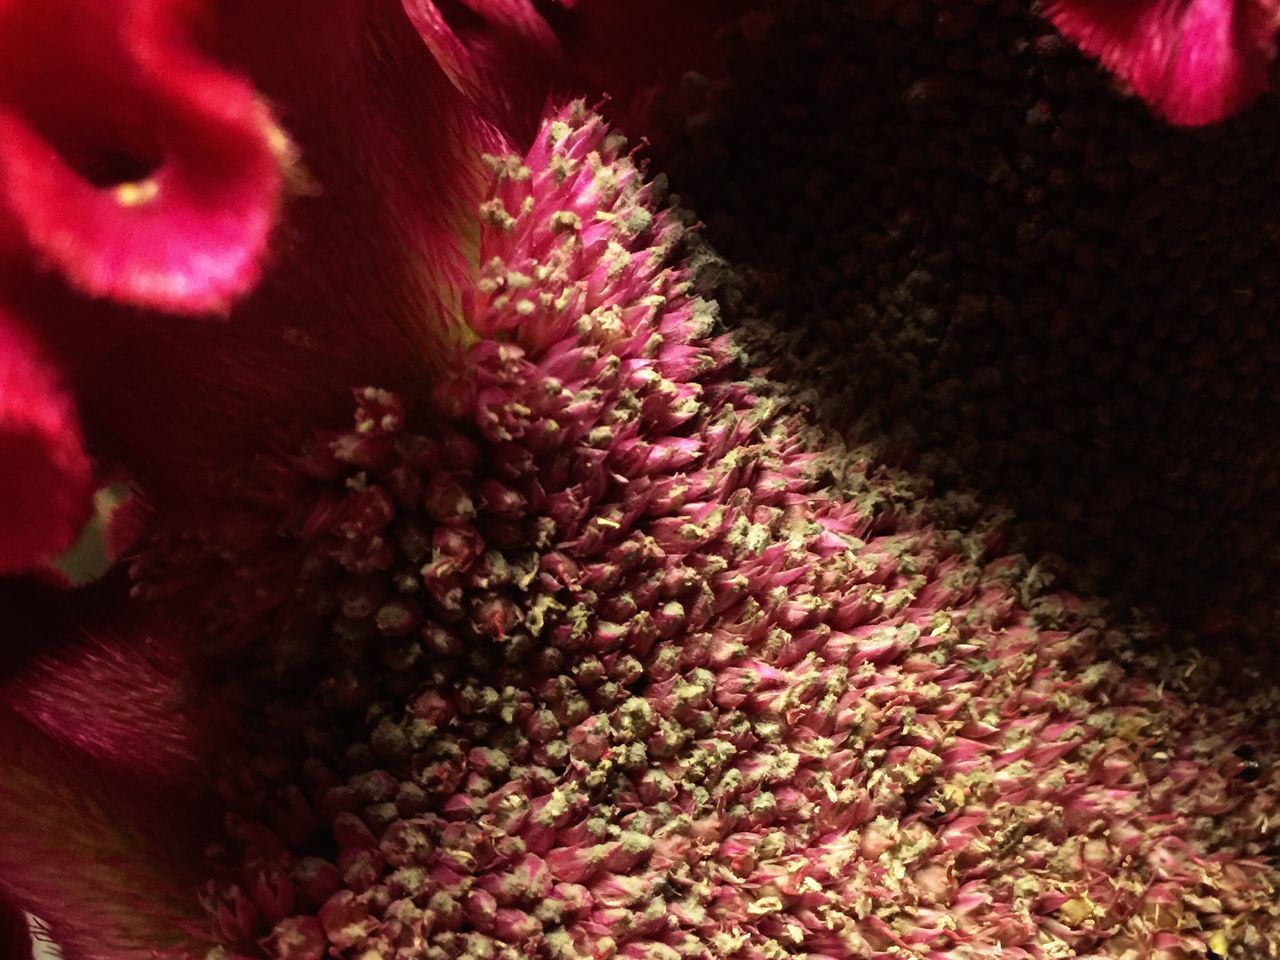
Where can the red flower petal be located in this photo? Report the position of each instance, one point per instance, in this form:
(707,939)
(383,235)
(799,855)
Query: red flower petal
(117,695)
(103,809)
(136,167)
(509,55)
(500,53)
(364,266)
(1194,61)
(45,476)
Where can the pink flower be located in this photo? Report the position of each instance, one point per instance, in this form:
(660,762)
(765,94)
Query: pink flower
(478,599)
(1193,61)
(152,150)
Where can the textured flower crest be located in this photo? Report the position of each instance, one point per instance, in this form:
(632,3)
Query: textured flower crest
(140,167)
(576,640)
(145,170)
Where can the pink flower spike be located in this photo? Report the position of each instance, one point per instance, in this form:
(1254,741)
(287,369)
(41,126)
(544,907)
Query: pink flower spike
(128,162)
(1193,61)
(45,477)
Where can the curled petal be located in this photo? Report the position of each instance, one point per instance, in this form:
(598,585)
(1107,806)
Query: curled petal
(1194,61)
(133,165)
(363,278)
(508,56)
(499,53)
(45,475)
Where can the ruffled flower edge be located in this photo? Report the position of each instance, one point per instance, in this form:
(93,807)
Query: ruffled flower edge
(135,168)
(1193,61)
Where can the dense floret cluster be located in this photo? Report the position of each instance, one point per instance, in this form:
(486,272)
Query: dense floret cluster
(984,251)
(590,657)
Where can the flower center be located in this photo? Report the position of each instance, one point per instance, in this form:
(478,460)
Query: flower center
(589,663)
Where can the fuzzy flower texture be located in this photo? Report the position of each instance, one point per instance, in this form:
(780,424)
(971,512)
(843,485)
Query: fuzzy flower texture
(563,634)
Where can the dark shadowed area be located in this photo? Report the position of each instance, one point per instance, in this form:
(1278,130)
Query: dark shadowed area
(981,250)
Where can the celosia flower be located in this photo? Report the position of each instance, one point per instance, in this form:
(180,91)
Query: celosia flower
(140,166)
(561,635)
(1194,61)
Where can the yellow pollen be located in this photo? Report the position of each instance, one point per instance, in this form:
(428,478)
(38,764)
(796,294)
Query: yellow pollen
(278,142)
(138,192)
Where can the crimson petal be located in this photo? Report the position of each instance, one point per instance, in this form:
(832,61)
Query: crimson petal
(508,56)
(46,478)
(363,265)
(105,800)
(501,54)
(136,167)
(117,693)
(1194,61)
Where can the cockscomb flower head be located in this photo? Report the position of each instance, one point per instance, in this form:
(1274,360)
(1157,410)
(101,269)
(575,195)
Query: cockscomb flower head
(141,168)
(576,640)
(586,654)
(154,213)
